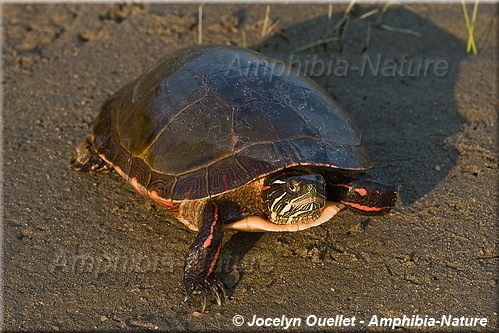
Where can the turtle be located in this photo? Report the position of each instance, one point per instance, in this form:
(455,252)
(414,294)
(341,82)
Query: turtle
(226,138)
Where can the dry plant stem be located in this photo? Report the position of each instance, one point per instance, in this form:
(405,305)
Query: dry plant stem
(265,21)
(329,17)
(470,26)
(200,25)
(243,38)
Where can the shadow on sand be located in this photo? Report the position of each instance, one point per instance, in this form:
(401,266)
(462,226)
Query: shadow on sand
(400,92)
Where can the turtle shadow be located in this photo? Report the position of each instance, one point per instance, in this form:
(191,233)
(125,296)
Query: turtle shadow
(400,91)
(230,268)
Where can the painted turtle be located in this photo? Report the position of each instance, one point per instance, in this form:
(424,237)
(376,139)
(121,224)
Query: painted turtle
(228,139)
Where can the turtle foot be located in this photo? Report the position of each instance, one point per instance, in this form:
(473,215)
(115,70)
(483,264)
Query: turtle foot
(206,287)
(86,159)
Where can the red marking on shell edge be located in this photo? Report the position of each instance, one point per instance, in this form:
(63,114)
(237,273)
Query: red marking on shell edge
(189,193)
(116,167)
(155,195)
(135,184)
(225,181)
(207,181)
(361,191)
(364,208)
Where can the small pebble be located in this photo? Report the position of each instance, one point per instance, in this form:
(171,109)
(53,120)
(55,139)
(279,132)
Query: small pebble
(232,278)
(197,314)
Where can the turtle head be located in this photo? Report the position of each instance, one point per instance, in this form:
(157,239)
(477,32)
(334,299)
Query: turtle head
(295,199)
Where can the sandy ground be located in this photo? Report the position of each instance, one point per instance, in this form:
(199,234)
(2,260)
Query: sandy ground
(84,252)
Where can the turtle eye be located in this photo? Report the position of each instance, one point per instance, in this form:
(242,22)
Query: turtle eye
(293,185)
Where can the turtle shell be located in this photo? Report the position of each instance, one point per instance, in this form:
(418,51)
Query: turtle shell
(207,120)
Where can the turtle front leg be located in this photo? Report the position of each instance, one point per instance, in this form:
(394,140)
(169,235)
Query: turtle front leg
(364,196)
(202,257)
(86,159)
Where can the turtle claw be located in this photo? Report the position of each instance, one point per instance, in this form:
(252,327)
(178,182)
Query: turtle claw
(205,288)
(215,293)
(86,159)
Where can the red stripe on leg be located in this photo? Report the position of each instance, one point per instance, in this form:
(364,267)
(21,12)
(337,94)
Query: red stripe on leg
(214,262)
(207,242)
(364,208)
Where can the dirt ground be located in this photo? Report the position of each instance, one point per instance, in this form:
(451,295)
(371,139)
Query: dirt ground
(85,252)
